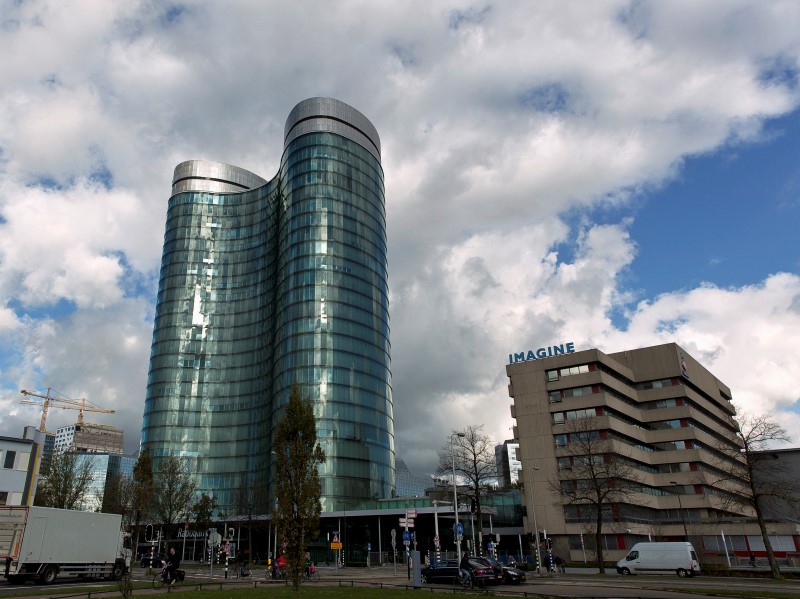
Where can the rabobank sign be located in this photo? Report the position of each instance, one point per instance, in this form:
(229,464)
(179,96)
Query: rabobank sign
(542,352)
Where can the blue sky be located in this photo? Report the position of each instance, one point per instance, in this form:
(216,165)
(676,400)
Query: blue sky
(615,173)
(736,212)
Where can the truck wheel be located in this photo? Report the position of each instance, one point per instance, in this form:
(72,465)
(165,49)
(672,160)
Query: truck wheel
(624,571)
(49,575)
(117,572)
(682,573)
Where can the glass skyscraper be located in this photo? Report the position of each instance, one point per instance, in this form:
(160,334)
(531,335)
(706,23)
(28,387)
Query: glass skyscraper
(267,284)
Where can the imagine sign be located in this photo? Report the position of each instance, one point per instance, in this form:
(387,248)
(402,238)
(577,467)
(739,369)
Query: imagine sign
(542,352)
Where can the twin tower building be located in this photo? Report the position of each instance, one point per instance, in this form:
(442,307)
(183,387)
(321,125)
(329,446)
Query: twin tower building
(269,284)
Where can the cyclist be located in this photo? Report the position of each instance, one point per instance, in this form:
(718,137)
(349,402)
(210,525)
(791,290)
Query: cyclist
(281,567)
(170,570)
(465,567)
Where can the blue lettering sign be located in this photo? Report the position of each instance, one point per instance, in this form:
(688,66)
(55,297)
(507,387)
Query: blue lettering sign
(542,352)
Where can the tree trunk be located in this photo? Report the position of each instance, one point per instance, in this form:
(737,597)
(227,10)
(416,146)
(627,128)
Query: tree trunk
(598,540)
(773,563)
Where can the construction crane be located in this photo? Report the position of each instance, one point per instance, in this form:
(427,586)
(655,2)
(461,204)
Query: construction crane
(65,403)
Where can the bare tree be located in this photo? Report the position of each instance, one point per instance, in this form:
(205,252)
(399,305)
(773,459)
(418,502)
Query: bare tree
(249,499)
(118,497)
(141,491)
(471,453)
(67,482)
(298,488)
(599,480)
(761,479)
(173,489)
(203,511)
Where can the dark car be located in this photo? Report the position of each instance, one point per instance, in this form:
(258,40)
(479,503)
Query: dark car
(483,572)
(158,560)
(443,571)
(446,571)
(510,574)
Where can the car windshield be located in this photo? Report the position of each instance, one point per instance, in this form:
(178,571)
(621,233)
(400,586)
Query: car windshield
(493,561)
(479,562)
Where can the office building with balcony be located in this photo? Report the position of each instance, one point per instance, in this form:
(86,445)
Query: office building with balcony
(89,437)
(652,421)
(266,284)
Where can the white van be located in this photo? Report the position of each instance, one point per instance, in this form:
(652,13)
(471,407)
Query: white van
(660,558)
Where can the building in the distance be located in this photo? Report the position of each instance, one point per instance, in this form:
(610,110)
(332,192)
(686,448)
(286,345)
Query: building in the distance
(89,437)
(19,467)
(411,484)
(266,284)
(508,462)
(106,470)
(652,421)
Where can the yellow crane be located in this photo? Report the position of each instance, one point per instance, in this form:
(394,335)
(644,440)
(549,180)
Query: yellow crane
(49,400)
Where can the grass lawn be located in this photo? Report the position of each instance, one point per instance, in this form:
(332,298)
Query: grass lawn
(738,593)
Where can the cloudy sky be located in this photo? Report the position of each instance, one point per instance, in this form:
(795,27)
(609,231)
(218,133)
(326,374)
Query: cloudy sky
(616,174)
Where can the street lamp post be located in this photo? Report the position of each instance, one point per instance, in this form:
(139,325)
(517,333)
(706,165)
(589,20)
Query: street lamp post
(680,508)
(535,525)
(455,494)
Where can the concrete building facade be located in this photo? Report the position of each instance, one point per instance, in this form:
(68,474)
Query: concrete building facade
(20,459)
(89,437)
(657,423)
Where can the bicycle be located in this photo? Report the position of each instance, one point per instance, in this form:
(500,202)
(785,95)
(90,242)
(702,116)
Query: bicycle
(159,581)
(243,572)
(312,574)
(463,579)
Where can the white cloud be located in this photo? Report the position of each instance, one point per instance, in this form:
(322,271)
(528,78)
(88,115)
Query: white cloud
(496,122)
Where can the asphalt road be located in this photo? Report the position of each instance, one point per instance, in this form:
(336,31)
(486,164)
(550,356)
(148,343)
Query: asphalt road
(565,585)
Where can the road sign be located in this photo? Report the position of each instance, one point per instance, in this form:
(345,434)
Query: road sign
(460,529)
(394,533)
(407,523)
(411,513)
(406,535)
(336,545)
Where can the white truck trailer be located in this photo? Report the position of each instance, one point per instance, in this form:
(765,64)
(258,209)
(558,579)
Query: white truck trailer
(41,544)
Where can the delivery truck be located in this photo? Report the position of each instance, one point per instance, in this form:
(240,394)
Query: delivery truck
(660,558)
(42,544)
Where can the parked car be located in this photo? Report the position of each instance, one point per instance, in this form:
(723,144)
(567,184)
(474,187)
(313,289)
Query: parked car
(511,575)
(442,571)
(446,571)
(158,560)
(483,572)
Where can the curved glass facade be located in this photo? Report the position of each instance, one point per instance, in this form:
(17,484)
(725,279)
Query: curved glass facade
(283,282)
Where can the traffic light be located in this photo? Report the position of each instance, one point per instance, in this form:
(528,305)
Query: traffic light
(549,543)
(473,506)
